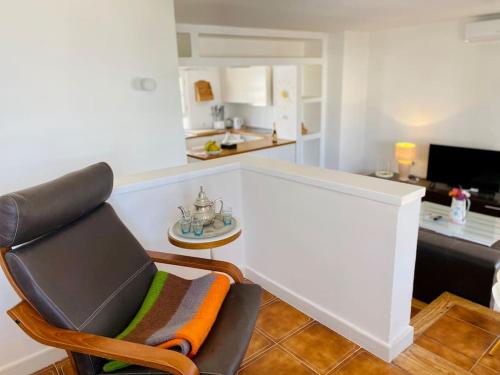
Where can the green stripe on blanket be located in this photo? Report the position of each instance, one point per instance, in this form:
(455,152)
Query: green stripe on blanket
(149,301)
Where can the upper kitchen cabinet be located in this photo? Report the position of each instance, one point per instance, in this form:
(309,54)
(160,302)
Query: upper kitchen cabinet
(247,85)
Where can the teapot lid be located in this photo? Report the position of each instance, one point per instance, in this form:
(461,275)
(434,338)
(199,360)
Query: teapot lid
(202,199)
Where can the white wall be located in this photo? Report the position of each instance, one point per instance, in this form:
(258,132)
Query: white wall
(354,94)
(335,61)
(257,117)
(66,100)
(199,115)
(427,86)
(66,97)
(348,58)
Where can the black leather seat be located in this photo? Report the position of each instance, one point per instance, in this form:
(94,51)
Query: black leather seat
(81,269)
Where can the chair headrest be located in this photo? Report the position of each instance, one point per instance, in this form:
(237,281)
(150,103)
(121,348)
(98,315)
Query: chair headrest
(30,213)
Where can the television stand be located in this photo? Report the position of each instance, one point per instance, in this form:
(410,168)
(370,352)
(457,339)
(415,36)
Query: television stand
(488,204)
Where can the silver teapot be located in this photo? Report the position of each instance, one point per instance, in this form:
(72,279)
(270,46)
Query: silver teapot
(204,208)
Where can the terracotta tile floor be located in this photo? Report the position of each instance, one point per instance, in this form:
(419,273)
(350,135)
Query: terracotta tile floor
(286,341)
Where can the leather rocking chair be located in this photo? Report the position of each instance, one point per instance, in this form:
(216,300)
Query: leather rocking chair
(82,276)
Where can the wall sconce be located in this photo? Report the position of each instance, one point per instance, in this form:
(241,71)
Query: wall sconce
(144,84)
(406,153)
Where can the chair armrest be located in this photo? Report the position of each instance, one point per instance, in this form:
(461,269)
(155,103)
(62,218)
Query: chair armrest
(201,263)
(38,329)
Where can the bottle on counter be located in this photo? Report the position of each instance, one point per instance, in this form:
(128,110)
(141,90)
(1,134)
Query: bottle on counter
(275,134)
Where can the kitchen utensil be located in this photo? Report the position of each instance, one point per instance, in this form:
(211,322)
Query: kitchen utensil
(238,122)
(217,112)
(203,91)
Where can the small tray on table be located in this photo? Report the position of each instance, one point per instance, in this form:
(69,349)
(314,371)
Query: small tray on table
(217,228)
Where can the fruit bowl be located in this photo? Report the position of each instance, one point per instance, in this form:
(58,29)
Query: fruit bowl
(212,148)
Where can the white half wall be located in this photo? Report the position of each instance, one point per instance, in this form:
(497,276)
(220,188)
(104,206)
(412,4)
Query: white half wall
(427,86)
(344,258)
(300,238)
(66,95)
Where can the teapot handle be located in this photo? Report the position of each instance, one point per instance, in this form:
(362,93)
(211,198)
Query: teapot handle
(184,212)
(221,205)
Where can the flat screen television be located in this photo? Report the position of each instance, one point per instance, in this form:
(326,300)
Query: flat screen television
(465,167)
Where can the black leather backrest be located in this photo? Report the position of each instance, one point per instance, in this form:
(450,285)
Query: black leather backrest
(89,275)
(30,213)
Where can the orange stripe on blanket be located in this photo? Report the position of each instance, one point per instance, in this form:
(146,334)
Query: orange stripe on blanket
(197,329)
(170,344)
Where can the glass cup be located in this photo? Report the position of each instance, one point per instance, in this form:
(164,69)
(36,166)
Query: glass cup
(197,225)
(227,215)
(185,225)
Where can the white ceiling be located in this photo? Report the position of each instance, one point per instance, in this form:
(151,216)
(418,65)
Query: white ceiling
(328,15)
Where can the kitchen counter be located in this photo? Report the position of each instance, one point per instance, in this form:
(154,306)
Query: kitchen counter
(261,144)
(260,139)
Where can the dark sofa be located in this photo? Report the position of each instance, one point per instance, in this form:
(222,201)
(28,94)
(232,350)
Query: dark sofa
(447,264)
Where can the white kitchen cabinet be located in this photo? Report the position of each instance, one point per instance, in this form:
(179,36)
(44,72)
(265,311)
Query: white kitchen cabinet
(247,85)
(285,101)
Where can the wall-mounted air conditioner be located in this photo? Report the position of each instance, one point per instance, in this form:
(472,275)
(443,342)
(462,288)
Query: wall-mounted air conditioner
(482,31)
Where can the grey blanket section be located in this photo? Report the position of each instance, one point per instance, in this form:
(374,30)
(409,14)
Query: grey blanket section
(188,307)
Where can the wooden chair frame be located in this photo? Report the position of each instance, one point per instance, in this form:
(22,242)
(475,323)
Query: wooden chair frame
(40,330)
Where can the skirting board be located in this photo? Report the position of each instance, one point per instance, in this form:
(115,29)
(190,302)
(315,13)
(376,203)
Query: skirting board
(385,351)
(33,362)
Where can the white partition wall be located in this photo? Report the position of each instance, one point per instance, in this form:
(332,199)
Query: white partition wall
(337,246)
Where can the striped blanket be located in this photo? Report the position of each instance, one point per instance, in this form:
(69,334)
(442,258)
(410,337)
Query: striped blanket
(176,314)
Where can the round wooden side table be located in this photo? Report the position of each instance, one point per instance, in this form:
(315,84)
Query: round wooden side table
(204,243)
